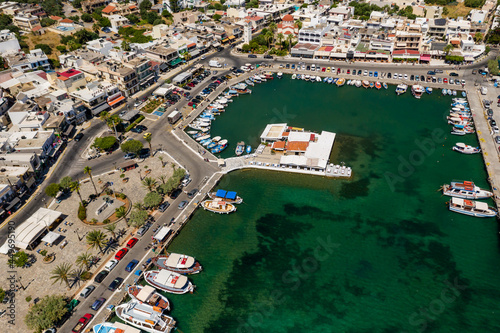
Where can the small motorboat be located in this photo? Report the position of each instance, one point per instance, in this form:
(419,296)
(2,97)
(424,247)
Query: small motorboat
(378,85)
(465,190)
(385,85)
(448,91)
(216,139)
(294,76)
(325,79)
(471,208)
(428,90)
(212,145)
(330,80)
(365,84)
(454,92)
(444,92)
(192,132)
(280,75)
(318,79)
(372,84)
(249,149)
(240,148)
(340,82)
(218,206)
(464,94)
(466,149)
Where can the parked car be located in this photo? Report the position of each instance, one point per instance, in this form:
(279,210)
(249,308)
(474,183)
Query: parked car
(192,193)
(132,242)
(78,137)
(97,303)
(131,265)
(497,139)
(129,156)
(110,265)
(431,73)
(82,323)
(183,204)
(101,276)
(453,74)
(175,193)
(252,56)
(185,182)
(87,291)
(268,56)
(121,253)
(438,70)
(116,282)
(163,207)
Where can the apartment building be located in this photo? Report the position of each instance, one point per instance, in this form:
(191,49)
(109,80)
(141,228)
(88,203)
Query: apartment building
(94,98)
(70,80)
(89,6)
(437,28)
(143,70)
(120,9)
(124,77)
(8,42)
(408,38)
(313,34)
(28,23)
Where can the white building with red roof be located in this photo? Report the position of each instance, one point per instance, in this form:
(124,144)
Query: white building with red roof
(288,26)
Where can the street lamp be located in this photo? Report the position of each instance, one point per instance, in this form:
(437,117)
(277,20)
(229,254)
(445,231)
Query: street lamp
(19,280)
(76,232)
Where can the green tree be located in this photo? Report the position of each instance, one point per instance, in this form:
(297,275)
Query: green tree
(105,143)
(493,67)
(45,48)
(152,199)
(88,171)
(246,48)
(174,5)
(148,140)
(46,313)
(111,229)
(145,5)
(290,39)
(86,17)
(166,14)
(61,273)
(75,187)
(137,218)
(18,259)
(65,183)
(84,260)
(133,18)
(104,22)
(112,120)
(298,23)
(149,183)
(478,37)
(96,239)
(447,49)
(446,11)
(45,22)
(61,48)
(120,212)
(216,17)
(2,295)
(131,146)
(125,46)
(52,190)
(96,28)
(281,38)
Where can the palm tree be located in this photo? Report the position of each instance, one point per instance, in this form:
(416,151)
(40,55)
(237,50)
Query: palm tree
(298,23)
(149,183)
(290,38)
(148,140)
(77,275)
(88,170)
(138,206)
(96,238)
(447,49)
(120,212)
(75,187)
(186,56)
(84,259)
(61,273)
(281,37)
(111,229)
(161,160)
(268,36)
(162,178)
(272,28)
(95,27)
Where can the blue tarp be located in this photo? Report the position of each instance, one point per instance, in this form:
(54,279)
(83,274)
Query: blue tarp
(138,272)
(221,193)
(231,195)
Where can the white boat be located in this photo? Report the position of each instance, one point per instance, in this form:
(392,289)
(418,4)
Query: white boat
(318,79)
(250,83)
(216,139)
(294,76)
(219,206)
(228,196)
(471,208)
(454,92)
(280,75)
(358,83)
(401,89)
(465,190)
(466,149)
(148,295)
(115,327)
(168,281)
(204,137)
(178,263)
(192,132)
(223,142)
(417,90)
(307,77)
(463,116)
(145,317)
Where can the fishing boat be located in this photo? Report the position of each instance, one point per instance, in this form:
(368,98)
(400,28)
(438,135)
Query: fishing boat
(471,208)
(349,82)
(250,83)
(358,83)
(294,76)
(192,132)
(240,148)
(204,137)
(178,263)
(249,149)
(115,327)
(219,206)
(148,295)
(166,280)
(448,91)
(216,139)
(306,78)
(340,82)
(385,85)
(454,92)
(217,149)
(228,196)
(263,78)
(428,90)
(269,75)
(378,86)
(330,80)
(335,81)
(212,145)
(280,75)
(318,79)
(206,143)
(372,84)
(457,122)
(325,79)
(401,89)
(465,190)
(466,149)
(464,94)
(145,317)
(417,90)
(460,115)
(444,92)
(365,84)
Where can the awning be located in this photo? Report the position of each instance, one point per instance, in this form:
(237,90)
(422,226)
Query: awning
(13,203)
(220,193)
(163,66)
(359,55)
(68,131)
(175,61)
(100,108)
(425,57)
(469,58)
(231,37)
(127,164)
(231,195)
(194,53)
(130,114)
(225,40)
(117,100)
(164,231)
(51,237)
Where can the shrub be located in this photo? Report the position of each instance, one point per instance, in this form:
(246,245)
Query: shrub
(82,212)
(105,143)
(28,299)
(122,175)
(152,199)
(43,253)
(106,221)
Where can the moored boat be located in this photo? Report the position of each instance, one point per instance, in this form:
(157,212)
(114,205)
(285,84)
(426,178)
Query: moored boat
(340,82)
(249,149)
(365,84)
(466,149)
(280,75)
(471,208)
(240,148)
(218,206)
(294,76)
(378,86)
(385,85)
(148,295)
(401,89)
(178,263)
(216,138)
(465,190)
(417,90)
(228,196)
(145,317)
(428,90)
(168,281)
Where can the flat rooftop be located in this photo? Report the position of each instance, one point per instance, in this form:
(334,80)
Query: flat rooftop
(273,132)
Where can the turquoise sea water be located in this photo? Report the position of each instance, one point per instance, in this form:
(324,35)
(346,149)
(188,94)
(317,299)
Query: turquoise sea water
(377,253)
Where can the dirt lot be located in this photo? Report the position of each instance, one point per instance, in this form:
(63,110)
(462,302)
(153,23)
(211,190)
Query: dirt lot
(458,10)
(50,38)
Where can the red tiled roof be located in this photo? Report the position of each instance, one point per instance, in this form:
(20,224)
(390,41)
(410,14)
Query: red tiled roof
(132,7)
(191,45)
(109,9)
(253,18)
(278,145)
(288,18)
(69,73)
(297,146)
(55,18)
(38,27)
(66,21)
(43,75)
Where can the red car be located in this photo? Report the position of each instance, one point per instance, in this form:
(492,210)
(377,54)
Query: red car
(120,254)
(82,323)
(348,71)
(131,242)
(190,103)
(445,80)
(323,69)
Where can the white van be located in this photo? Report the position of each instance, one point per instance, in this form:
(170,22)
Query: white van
(313,67)
(111,264)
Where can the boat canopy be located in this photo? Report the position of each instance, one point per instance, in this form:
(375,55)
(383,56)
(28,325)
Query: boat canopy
(231,195)
(221,193)
(481,206)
